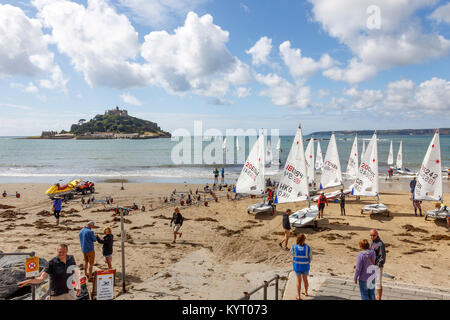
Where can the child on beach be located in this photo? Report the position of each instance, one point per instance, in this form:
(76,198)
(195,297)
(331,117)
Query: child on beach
(301,263)
(416,205)
(364,270)
(107,242)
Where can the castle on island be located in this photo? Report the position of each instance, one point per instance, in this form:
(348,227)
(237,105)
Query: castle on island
(116,112)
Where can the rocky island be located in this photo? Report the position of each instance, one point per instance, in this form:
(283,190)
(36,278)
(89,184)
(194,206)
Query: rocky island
(114,124)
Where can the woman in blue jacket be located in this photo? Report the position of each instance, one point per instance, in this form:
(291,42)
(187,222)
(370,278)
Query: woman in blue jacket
(301,262)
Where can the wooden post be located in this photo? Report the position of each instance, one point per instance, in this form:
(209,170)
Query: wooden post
(122,237)
(33,287)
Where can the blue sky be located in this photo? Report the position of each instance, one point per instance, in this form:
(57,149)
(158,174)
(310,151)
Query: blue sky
(331,65)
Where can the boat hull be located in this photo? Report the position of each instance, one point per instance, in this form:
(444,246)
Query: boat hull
(304,216)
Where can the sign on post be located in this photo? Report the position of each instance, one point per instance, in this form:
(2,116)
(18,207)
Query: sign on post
(31,267)
(104,283)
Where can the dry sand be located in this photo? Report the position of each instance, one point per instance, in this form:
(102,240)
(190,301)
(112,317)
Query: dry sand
(236,246)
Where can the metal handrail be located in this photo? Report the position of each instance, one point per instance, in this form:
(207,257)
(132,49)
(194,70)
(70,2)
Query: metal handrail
(264,286)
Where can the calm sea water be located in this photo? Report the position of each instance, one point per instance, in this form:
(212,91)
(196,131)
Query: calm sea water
(151,160)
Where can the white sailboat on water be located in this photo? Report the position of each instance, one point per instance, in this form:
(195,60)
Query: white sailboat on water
(251,180)
(366,183)
(331,172)
(293,186)
(429,178)
(399,162)
(390,160)
(363,149)
(352,165)
(309,157)
(319,159)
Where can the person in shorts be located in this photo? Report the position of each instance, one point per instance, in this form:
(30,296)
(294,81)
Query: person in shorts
(417,206)
(107,242)
(57,204)
(301,263)
(87,239)
(321,204)
(286,228)
(60,269)
(342,202)
(177,220)
(380,258)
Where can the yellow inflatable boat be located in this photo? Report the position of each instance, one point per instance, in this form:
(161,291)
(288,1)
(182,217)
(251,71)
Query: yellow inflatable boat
(65,191)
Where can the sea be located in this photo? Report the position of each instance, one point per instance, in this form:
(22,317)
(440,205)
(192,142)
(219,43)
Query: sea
(156,160)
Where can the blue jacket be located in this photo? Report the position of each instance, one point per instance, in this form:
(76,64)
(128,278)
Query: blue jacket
(302,257)
(87,239)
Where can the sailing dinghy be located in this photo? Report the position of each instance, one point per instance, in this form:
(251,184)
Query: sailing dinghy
(366,183)
(319,159)
(293,186)
(251,180)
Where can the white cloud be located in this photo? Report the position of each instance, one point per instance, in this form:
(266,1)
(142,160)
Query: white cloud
(97,39)
(194,58)
(283,93)
(30,88)
(260,51)
(129,99)
(399,95)
(24,47)
(159,13)
(302,66)
(441,14)
(243,92)
(361,100)
(245,7)
(399,41)
(433,96)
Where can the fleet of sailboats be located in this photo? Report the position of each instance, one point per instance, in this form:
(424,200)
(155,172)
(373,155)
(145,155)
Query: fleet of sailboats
(299,172)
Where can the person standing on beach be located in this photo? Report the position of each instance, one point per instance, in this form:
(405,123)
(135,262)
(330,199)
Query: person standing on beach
(286,228)
(412,186)
(177,220)
(301,263)
(342,202)
(57,204)
(60,269)
(321,203)
(87,239)
(364,271)
(416,205)
(222,173)
(107,242)
(216,176)
(380,258)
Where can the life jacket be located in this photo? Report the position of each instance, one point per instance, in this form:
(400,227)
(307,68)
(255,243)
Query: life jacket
(301,258)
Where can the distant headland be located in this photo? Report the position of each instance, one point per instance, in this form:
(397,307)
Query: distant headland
(114,124)
(418,132)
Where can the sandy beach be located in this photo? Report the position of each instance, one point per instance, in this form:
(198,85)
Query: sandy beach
(233,243)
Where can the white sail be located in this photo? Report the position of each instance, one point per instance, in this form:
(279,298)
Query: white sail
(251,180)
(429,178)
(363,150)
(399,163)
(331,173)
(319,159)
(269,157)
(224,144)
(279,144)
(352,166)
(366,183)
(390,160)
(293,184)
(309,156)
(237,144)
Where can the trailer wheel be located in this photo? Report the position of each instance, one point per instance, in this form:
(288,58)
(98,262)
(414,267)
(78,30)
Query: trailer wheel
(362,211)
(66,198)
(316,225)
(70,196)
(83,191)
(92,189)
(426,217)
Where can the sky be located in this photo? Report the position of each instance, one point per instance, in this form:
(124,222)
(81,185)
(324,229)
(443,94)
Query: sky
(327,64)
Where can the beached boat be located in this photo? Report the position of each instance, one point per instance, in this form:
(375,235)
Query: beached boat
(331,173)
(251,180)
(293,186)
(429,178)
(319,159)
(352,165)
(366,183)
(66,191)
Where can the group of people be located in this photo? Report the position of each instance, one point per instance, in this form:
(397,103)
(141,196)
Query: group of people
(63,268)
(368,271)
(216,176)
